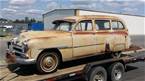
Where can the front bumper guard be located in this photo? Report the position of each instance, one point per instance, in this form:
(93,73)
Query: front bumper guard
(11,58)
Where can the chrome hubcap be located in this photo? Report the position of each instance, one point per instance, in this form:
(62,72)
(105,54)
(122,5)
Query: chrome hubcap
(49,63)
(98,77)
(117,74)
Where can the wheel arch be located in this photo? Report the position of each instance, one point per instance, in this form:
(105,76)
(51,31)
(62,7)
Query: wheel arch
(119,61)
(52,50)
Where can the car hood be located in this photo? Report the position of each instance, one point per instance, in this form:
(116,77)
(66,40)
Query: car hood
(41,34)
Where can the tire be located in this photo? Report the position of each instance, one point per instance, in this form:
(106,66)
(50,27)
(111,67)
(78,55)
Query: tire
(98,74)
(48,62)
(116,55)
(116,72)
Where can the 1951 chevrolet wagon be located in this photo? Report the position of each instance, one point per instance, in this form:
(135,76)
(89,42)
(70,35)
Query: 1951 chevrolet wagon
(70,38)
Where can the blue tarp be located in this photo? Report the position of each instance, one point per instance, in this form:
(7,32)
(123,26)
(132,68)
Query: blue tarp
(36,26)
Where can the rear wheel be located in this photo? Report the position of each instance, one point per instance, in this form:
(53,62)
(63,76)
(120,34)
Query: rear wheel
(48,62)
(116,72)
(98,74)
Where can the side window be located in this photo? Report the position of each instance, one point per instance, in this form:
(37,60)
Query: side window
(116,25)
(84,26)
(102,24)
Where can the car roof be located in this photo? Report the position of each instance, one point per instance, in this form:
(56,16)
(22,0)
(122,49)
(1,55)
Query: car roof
(88,17)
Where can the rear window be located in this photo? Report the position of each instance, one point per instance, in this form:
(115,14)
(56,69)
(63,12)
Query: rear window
(120,25)
(102,24)
(117,25)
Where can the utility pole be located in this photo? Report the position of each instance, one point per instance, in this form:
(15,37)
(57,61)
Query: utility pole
(60,4)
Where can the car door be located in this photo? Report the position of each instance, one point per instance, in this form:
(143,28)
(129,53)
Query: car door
(84,40)
(120,35)
(103,36)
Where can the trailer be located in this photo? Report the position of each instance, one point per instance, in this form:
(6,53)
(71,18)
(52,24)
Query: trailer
(91,69)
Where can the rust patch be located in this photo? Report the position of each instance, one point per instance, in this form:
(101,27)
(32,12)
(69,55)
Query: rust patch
(103,33)
(133,47)
(115,32)
(41,38)
(11,58)
(81,32)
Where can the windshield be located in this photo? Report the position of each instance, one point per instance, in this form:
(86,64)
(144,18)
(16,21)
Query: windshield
(63,26)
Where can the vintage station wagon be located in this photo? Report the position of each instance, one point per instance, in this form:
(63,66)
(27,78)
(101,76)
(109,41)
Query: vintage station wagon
(71,38)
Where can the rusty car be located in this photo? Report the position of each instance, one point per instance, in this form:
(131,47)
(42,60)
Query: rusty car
(71,38)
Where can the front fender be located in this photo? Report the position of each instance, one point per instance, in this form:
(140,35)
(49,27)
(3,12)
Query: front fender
(35,53)
(64,44)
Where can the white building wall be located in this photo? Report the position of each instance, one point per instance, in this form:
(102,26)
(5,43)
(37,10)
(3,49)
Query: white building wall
(135,24)
(49,17)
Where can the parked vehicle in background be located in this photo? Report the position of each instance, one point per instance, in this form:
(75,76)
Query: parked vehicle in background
(71,38)
(3,31)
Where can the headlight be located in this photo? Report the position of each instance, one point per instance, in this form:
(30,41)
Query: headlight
(25,45)
(25,42)
(15,40)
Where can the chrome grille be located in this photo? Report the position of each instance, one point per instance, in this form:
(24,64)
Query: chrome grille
(19,50)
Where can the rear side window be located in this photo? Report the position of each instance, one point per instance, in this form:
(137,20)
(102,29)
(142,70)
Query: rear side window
(84,26)
(117,25)
(102,24)
(120,25)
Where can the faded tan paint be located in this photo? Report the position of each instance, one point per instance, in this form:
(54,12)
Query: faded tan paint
(76,44)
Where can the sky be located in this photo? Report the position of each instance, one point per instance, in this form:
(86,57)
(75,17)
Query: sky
(19,9)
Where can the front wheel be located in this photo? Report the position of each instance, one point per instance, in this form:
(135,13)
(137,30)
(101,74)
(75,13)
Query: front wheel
(48,62)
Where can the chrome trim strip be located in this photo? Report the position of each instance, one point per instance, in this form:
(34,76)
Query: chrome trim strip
(67,47)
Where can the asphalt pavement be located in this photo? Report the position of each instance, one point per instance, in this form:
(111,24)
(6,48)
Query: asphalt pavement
(3,47)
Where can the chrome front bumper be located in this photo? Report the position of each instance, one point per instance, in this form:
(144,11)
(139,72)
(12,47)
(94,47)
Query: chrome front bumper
(11,58)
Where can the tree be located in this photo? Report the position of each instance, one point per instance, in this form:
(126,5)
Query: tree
(26,20)
(32,20)
(17,21)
